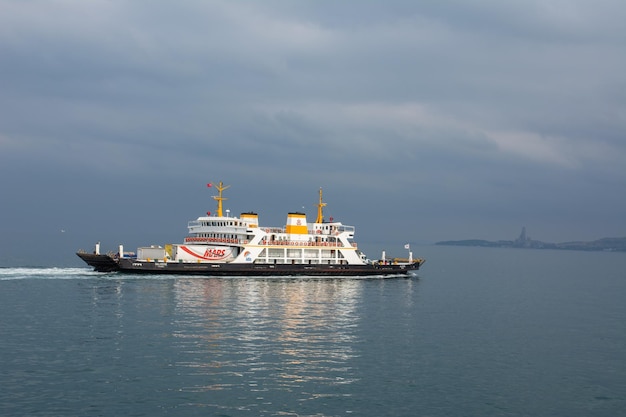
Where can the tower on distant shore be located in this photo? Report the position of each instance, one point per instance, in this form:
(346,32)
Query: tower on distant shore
(522,240)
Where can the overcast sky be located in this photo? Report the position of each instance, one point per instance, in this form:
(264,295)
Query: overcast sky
(422,121)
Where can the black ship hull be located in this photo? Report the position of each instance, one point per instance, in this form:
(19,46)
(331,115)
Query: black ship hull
(100,263)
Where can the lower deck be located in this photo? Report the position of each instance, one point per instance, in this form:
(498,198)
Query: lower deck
(312,256)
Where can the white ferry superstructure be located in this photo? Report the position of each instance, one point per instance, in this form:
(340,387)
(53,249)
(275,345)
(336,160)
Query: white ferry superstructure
(219,245)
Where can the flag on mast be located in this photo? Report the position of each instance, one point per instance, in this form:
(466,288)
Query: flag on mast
(407,246)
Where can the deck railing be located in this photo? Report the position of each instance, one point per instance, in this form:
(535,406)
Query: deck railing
(295,243)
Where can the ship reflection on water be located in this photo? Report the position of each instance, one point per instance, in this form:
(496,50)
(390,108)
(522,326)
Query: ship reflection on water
(253,336)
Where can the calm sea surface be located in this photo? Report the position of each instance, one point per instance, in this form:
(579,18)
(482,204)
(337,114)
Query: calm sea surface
(478,332)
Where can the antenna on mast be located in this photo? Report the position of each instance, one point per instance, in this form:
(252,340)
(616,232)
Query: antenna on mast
(220,187)
(320,206)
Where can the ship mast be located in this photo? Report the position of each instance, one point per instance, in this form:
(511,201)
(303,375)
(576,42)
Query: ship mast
(320,206)
(220,187)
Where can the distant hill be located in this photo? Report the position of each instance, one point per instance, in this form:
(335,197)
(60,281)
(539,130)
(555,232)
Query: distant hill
(609,244)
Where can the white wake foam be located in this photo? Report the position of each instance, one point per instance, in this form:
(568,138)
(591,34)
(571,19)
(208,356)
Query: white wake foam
(46,273)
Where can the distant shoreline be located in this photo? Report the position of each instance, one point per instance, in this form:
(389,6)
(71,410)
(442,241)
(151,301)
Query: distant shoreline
(607,244)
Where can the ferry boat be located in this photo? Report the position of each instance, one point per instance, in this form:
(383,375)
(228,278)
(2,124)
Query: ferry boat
(219,245)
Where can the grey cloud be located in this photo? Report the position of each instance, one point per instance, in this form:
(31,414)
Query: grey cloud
(455,116)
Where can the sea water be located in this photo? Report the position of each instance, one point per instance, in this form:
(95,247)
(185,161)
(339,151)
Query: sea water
(476,332)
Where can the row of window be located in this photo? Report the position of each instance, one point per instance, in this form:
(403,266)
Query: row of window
(297,253)
(222,224)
